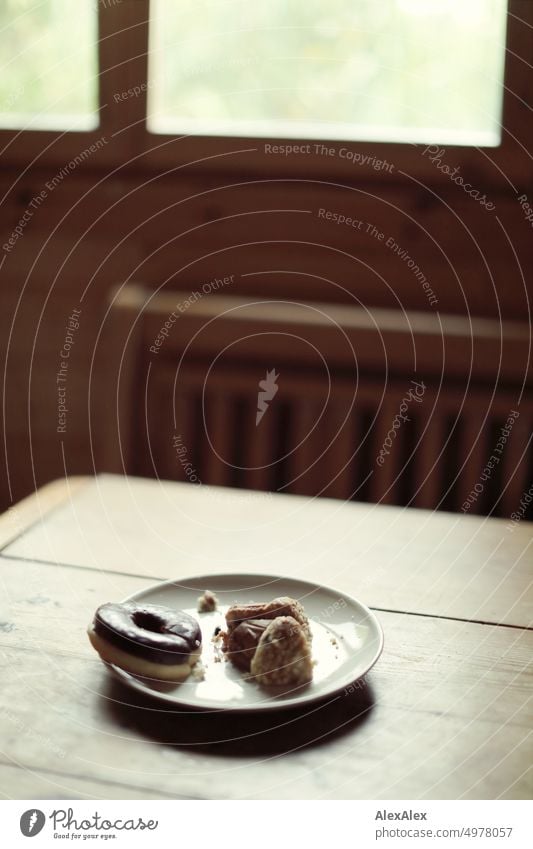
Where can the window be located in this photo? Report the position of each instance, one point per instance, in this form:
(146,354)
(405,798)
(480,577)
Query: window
(393,70)
(49,64)
(208,82)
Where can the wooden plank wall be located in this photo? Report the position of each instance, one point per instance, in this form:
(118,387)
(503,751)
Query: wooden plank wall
(180,229)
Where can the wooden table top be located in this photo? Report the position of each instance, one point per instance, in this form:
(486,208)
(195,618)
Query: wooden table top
(446,712)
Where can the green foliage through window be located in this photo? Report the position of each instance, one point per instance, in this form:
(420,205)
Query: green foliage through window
(48,64)
(399,70)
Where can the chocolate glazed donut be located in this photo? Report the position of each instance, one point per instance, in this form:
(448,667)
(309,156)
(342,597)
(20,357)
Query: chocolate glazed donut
(146,639)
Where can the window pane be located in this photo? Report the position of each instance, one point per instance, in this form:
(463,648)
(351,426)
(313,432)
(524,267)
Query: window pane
(48,64)
(399,70)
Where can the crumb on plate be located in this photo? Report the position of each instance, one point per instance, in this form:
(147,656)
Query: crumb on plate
(207,602)
(198,671)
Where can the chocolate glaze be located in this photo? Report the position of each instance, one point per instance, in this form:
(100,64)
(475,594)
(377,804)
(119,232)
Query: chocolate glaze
(242,642)
(158,634)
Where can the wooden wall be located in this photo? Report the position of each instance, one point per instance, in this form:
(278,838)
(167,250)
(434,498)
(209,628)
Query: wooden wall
(178,228)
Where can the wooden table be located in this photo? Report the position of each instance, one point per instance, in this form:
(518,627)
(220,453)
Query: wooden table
(446,712)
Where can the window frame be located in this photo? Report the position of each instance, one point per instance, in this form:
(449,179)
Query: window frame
(123,63)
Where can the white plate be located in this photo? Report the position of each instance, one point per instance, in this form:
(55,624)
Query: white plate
(347,641)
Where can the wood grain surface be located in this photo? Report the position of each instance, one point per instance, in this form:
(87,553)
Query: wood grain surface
(446,712)
(406,560)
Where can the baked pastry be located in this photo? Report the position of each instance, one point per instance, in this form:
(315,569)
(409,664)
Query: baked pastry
(272,640)
(147,639)
(241,642)
(283,606)
(283,655)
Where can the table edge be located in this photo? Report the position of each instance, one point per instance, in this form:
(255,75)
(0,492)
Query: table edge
(18,518)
